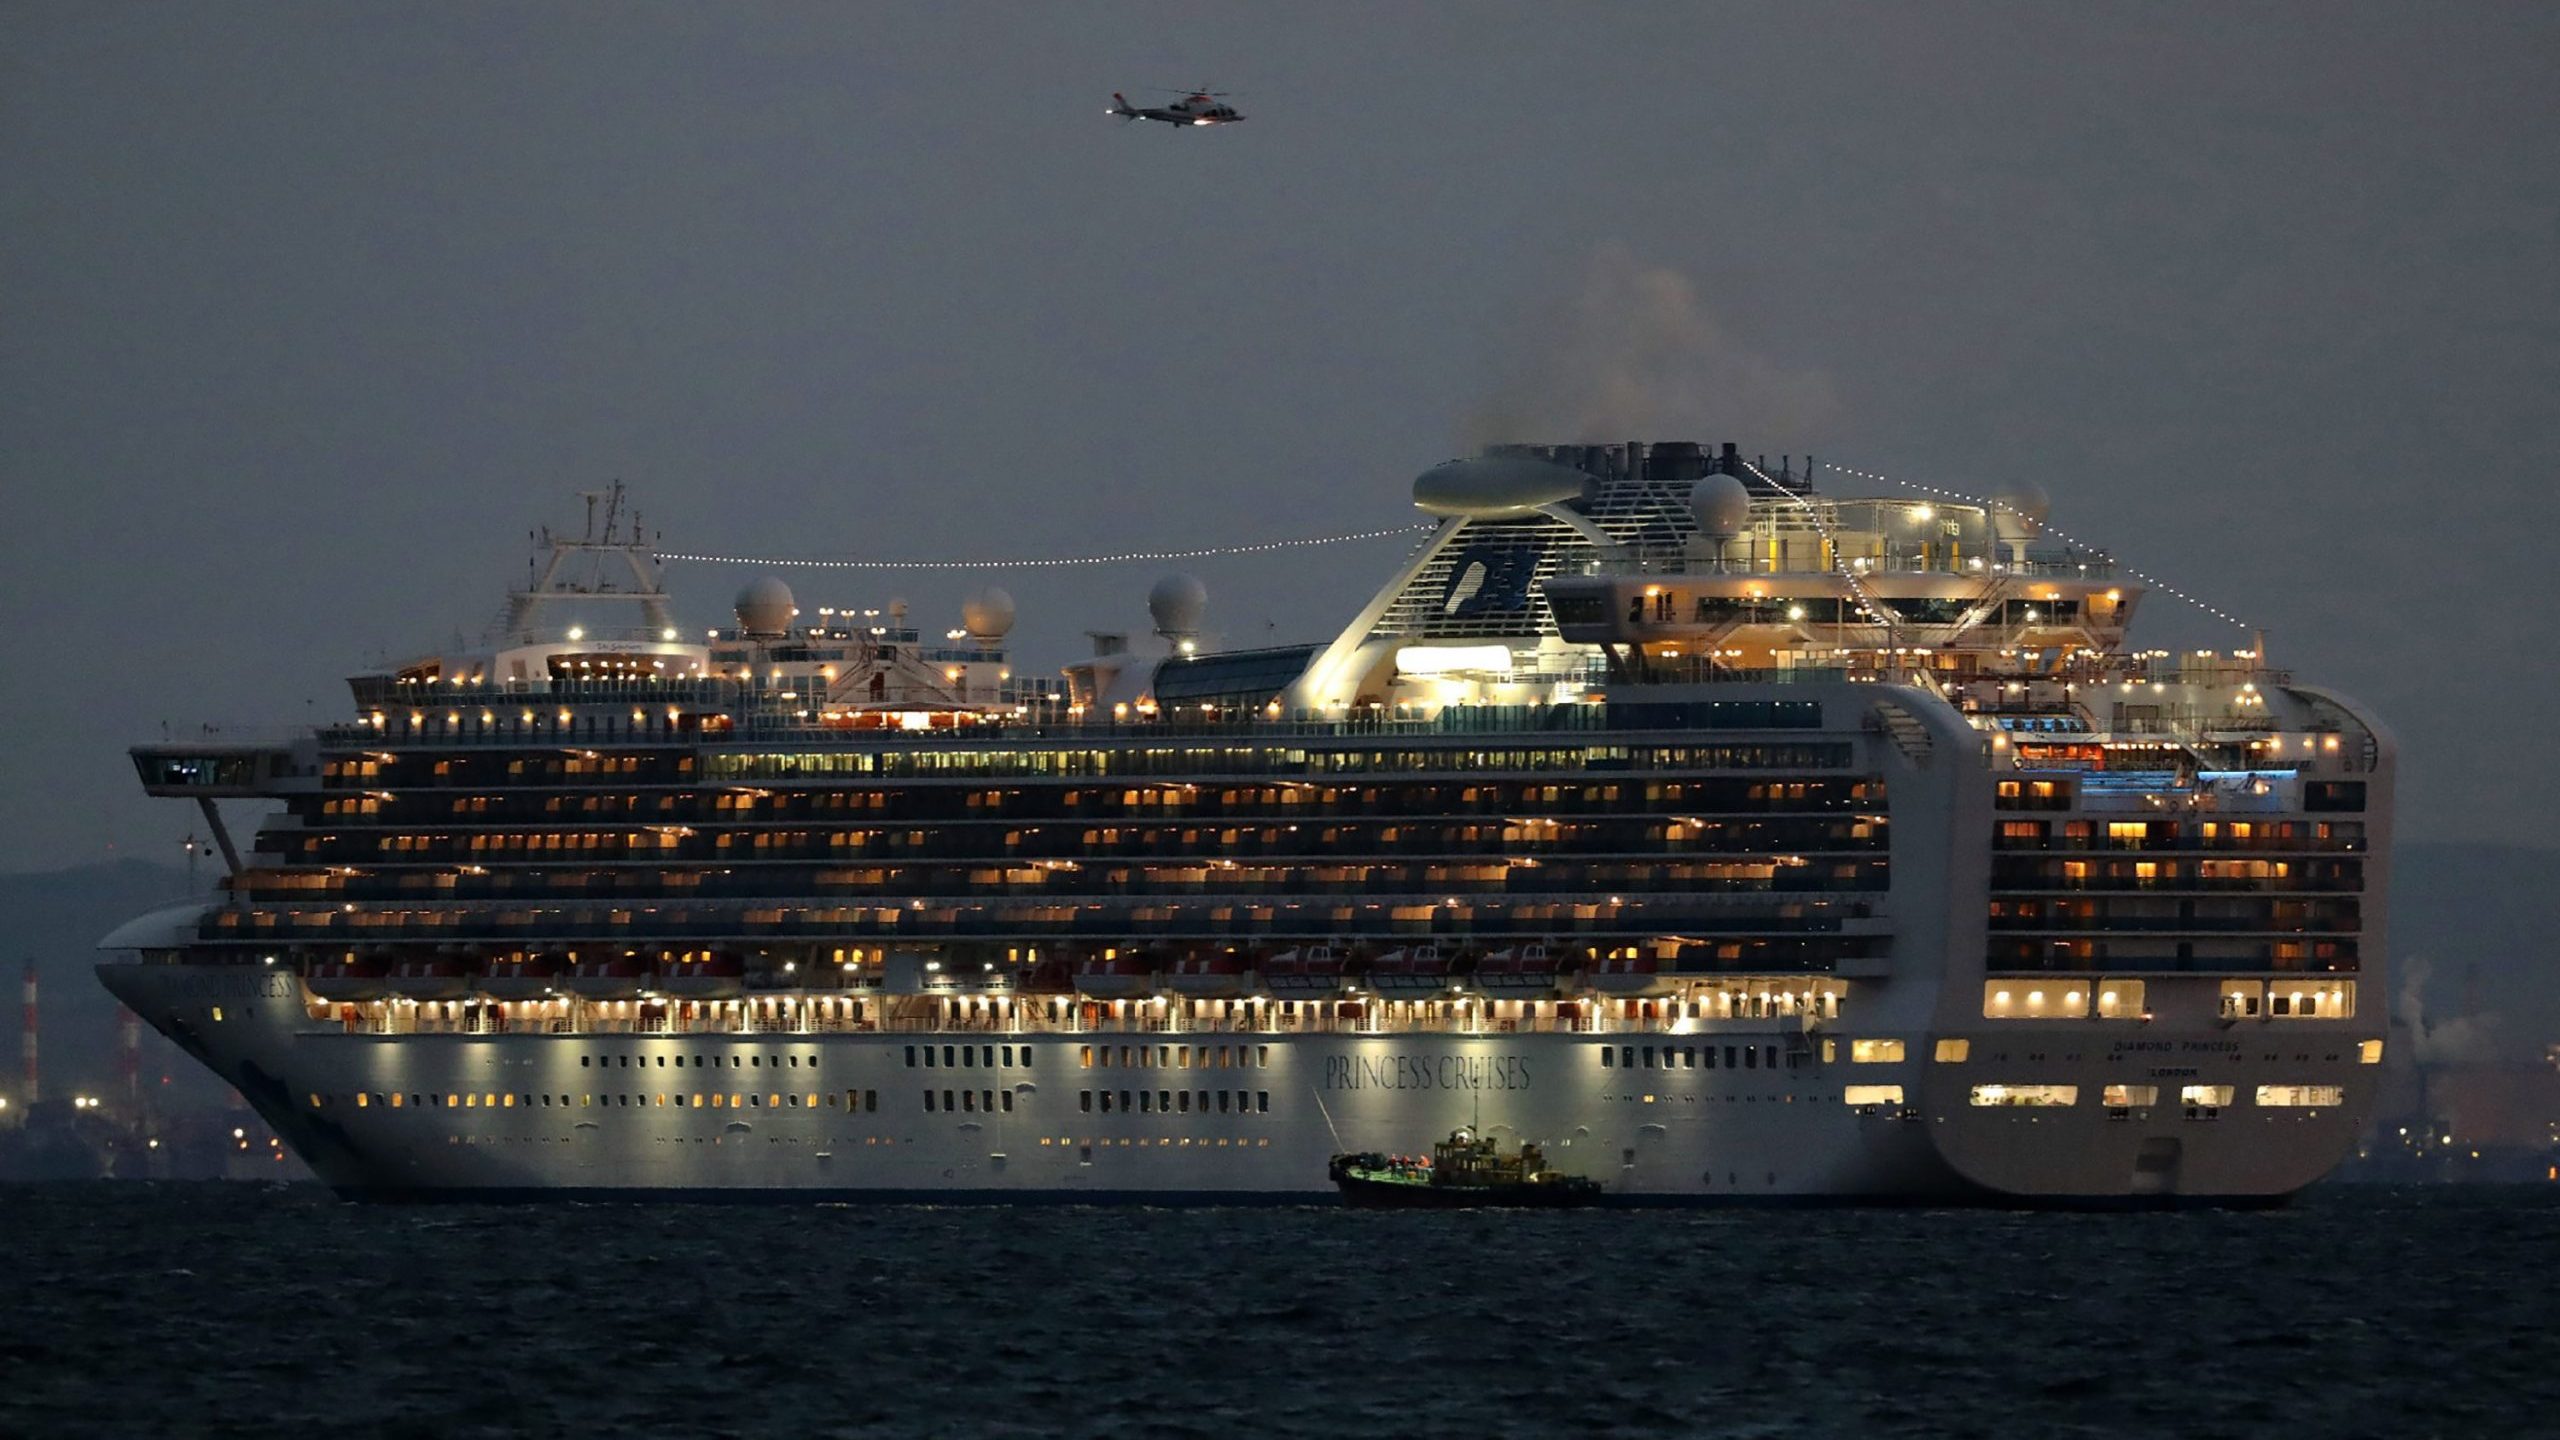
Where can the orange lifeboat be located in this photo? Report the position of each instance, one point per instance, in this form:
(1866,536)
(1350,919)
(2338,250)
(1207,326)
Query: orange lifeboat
(1624,975)
(621,977)
(1206,977)
(1526,972)
(1414,973)
(521,977)
(708,975)
(428,977)
(350,978)
(1312,973)
(1123,977)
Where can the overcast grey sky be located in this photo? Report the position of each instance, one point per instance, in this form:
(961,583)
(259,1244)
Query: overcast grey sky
(312,311)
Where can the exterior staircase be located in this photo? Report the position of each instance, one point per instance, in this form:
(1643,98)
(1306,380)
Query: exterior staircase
(1905,731)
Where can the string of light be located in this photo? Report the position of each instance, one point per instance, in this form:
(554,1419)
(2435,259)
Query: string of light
(1048,562)
(2050,528)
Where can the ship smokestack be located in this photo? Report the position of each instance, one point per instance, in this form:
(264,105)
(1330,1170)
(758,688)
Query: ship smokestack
(27,1042)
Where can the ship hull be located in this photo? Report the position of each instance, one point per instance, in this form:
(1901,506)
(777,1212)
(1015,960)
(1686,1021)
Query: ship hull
(1200,1116)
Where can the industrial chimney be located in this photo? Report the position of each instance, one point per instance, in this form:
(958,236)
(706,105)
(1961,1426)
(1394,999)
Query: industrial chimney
(27,1043)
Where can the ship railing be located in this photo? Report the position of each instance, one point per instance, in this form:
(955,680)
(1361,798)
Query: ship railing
(1704,670)
(1896,560)
(506,724)
(1370,1020)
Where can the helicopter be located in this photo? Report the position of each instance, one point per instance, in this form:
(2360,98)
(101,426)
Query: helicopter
(1196,107)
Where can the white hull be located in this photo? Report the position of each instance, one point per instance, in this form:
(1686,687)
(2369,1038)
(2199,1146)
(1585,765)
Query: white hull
(601,1114)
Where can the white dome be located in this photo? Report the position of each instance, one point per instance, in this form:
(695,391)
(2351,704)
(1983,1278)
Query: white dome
(987,615)
(765,607)
(1177,603)
(1720,505)
(2029,502)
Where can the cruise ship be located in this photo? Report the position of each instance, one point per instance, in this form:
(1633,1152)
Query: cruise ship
(1730,840)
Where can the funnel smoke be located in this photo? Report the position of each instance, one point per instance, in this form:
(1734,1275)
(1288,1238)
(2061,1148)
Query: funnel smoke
(1635,353)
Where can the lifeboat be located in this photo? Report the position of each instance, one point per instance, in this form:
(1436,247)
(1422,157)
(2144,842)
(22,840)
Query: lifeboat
(428,977)
(521,977)
(708,976)
(1624,975)
(621,977)
(1123,977)
(1523,973)
(1206,977)
(1051,976)
(349,978)
(1311,973)
(1414,973)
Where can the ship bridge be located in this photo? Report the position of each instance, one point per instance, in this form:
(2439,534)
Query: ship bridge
(216,768)
(227,769)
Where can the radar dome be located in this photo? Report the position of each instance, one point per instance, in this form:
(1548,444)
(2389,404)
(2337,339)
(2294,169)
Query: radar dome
(987,615)
(1177,603)
(765,608)
(2028,501)
(1720,505)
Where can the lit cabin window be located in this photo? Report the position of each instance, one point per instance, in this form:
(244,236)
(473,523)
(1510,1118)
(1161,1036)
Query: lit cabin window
(2120,1000)
(2301,1096)
(1953,1052)
(2369,1051)
(1874,1052)
(2204,1097)
(2033,1096)
(2127,1097)
(2035,999)
(2292,1000)
(1871,1095)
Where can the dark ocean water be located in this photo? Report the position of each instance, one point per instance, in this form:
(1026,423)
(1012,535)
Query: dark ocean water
(132,1310)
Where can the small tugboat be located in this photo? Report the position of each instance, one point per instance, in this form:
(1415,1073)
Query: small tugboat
(1464,1170)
